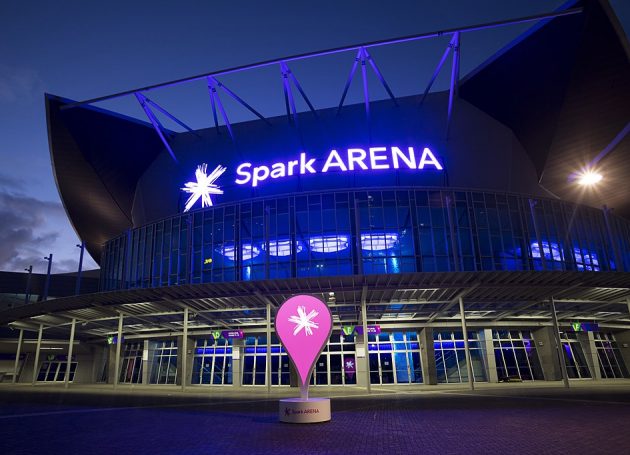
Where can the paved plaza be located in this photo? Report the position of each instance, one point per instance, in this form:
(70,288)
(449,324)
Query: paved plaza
(501,418)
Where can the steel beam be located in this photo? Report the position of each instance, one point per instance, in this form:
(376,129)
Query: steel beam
(559,347)
(471,378)
(118,344)
(438,68)
(184,351)
(18,352)
(365,338)
(454,86)
(239,100)
(37,349)
(157,126)
(379,75)
(212,83)
(66,379)
(331,51)
(349,80)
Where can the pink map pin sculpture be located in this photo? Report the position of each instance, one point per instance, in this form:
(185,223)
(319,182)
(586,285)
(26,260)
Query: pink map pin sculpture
(303,324)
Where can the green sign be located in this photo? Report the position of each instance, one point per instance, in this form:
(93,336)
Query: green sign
(348,330)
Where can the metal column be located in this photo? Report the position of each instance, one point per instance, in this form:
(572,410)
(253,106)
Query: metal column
(471,378)
(184,353)
(556,334)
(365,339)
(118,343)
(66,378)
(268,360)
(17,356)
(77,289)
(39,345)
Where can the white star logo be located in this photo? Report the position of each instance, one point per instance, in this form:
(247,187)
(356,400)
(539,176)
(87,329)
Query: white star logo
(303,321)
(349,364)
(203,187)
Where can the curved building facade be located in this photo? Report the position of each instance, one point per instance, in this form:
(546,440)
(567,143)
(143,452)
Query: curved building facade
(370,231)
(445,231)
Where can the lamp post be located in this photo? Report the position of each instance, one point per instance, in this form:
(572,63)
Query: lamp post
(47,284)
(78,287)
(27,296)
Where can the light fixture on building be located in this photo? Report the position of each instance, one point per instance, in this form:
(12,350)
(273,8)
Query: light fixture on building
(588,178)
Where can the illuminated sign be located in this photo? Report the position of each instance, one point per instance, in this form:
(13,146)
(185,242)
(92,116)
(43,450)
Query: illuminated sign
(349,329)
(352,159)
(371,329)
(585,326)
(355,159)
(203,187)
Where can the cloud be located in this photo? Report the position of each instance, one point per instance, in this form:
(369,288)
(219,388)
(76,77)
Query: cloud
(19,84)
(27,230)
(8,181)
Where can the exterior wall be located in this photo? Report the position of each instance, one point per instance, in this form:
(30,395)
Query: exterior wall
(427,356)
(623,340)
(548,353)
(383,231)
(587,341)
(491,363)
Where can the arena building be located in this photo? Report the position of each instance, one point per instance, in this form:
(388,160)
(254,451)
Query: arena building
(448,231)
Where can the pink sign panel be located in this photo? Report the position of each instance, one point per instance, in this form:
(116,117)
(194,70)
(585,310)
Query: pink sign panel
(304,324)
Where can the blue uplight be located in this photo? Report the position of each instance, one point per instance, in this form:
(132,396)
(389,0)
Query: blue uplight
(248,251)
(283,248)
(328,243)
(551,250)
(378,241)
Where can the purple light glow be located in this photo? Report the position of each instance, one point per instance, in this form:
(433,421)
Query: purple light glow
(551,250)
(378,242)
(328,243)
(248,251)
(283,248)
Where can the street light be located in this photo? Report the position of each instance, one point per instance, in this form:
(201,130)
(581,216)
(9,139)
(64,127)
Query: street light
(78,287)
(27,296)
(46,286)
(588,178)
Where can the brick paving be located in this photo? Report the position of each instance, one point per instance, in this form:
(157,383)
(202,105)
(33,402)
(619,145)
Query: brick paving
(442,421)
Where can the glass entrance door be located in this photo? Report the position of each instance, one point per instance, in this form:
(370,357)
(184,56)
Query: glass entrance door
(394,358)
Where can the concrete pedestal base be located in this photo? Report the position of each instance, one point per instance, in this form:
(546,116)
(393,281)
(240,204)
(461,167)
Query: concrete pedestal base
(299,410)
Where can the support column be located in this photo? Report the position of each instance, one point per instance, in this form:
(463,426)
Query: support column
(545,347)
(362,363)
(623,342)
(66,378)
(183,352)
(118,343)
(471,378)
(268,359)
(556,333)
(427,356)
(491,361)
(237,361)
(37,348)
(16,365)
(365,340)
(146,366)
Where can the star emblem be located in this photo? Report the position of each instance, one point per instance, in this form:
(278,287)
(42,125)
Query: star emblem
(203,187)
(304,321)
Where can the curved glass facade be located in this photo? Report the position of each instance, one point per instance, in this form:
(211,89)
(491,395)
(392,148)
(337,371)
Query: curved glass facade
(381,231)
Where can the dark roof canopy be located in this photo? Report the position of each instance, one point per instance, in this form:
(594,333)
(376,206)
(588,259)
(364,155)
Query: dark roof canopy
(564,89)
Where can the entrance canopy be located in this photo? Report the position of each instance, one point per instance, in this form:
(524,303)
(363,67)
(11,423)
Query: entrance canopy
(392,301)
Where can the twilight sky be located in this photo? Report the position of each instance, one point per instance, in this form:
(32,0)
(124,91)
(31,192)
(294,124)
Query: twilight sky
(81,49)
